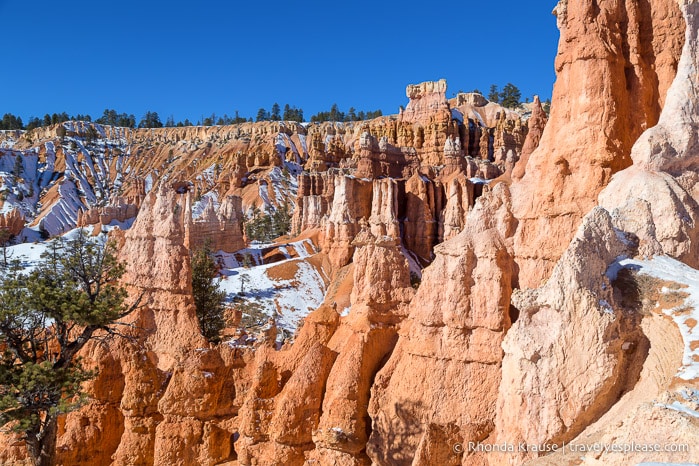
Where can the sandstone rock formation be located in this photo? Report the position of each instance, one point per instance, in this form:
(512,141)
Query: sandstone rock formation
(222,229)
(536,125)
(12,221)
(437,388)
(351,203)
(656,198)
(120,210)
(515,333)
(562,181)
(558,374)
(158,398)
(285,422)
(424,200)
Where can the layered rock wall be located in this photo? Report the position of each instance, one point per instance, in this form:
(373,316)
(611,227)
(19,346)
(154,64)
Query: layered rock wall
(599,119)
(438,386)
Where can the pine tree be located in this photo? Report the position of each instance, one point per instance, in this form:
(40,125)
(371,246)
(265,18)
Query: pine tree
(275,116)
(494,95)
(510,96)
(10,122)
(5,255)
(91,134)
(336,114)
(33,123)
(209,300)
(61,132)
(47,316)
(150,120)
(261,115)
(18,168)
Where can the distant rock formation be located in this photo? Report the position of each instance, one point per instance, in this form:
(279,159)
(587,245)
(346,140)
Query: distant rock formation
(12,222)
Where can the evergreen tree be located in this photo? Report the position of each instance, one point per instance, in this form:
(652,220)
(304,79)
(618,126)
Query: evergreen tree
(150,120)
(47,120)
(61,132)
(18,168)
(47,316)
(494,95)
(275,116)
(80,117)
(336,114)
(11,122)
(5,255)
(34,122)
(238,119)
(510,96)
(266,227)
(209,300)
(261,115)
(91,134)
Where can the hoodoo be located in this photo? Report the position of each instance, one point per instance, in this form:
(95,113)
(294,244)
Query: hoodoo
(461,283)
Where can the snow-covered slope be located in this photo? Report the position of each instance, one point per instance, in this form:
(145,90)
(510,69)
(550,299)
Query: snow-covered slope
(90,174)
(285,291)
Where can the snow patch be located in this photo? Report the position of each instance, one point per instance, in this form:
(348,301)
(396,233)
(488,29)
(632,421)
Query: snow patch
(288,301)
(667,268)
(677,406)
(200,206)
(148,183)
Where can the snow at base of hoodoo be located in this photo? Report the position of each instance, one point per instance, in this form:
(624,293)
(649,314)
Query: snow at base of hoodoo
(287,300)
(685,316)
(199,206)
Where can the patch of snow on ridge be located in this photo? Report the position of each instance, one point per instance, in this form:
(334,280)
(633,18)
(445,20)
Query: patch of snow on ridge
(287,300)
(685,316)
(63,214)
(200,206)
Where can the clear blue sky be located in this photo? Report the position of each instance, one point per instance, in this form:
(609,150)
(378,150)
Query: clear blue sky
(189,59)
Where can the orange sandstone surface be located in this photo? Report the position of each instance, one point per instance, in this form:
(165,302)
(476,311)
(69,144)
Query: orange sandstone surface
(465,251)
